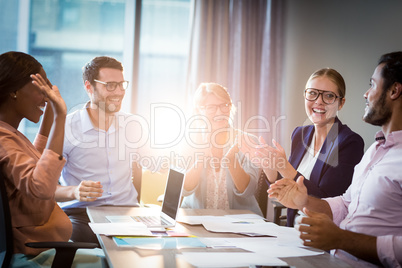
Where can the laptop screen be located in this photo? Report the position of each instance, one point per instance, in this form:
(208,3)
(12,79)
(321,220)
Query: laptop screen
(174,185)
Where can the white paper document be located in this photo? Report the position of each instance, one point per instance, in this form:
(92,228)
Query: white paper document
(272,247)
(243,227)
(261,251)
(120,219)
(228,259)
(245,216)
(198,220)
(120,229)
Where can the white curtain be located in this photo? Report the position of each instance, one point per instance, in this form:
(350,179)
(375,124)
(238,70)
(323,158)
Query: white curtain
(238,43)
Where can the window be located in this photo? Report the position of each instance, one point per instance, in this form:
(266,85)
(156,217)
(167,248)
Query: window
(65,34)
(162,66)
(163,49)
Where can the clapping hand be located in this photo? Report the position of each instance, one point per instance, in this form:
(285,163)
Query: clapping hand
(246,144)
(272,157)
(290,193)
(265,156)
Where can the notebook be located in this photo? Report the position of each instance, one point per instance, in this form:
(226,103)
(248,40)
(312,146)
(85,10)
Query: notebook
(170,203)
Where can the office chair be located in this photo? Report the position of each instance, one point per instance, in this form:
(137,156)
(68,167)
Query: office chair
(65,251)
(262,198)
(6,237)
(278,217)
(261,194)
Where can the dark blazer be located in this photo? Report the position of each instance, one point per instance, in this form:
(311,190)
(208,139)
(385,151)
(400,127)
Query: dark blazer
(332,173)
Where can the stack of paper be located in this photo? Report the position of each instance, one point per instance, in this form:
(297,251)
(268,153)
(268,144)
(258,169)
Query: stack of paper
(257,251)
(120,229)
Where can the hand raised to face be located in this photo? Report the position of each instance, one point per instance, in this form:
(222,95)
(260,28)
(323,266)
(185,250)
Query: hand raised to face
(51,93)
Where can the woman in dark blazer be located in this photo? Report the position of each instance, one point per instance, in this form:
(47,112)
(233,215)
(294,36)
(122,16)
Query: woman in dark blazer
(333,171)
(324,153)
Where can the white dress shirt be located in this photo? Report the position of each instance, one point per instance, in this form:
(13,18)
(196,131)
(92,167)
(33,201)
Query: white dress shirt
(372,205)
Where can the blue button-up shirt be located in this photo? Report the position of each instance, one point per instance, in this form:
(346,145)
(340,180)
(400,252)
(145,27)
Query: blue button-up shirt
(98,155)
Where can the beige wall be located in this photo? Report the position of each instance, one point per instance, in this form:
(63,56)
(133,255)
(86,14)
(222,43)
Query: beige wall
(347,35)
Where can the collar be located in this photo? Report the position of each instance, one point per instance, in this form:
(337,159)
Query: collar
(8,126)
(393,138)
(379,136)
(86,123)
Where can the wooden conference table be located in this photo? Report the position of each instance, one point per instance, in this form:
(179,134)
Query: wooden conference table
(120,257)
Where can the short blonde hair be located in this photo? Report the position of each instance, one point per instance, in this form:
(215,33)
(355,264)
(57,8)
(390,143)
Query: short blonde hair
(332,75)
(204,89)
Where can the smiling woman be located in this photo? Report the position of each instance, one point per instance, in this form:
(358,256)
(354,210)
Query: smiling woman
(222,176)
(324,153)
(32,171)
(322,111)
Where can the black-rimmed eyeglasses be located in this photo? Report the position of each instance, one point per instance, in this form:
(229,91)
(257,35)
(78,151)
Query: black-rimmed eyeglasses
(111,86)
(212,108)
(328,97)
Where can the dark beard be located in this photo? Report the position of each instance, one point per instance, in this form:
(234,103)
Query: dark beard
(380,114)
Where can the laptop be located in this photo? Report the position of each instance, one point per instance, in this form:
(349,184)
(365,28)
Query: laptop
(170,203)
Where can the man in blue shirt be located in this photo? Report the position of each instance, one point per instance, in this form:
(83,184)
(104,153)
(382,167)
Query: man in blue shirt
(101,146)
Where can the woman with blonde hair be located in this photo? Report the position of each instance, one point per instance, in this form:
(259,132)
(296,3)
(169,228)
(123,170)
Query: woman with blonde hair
(324,153)
(222,176)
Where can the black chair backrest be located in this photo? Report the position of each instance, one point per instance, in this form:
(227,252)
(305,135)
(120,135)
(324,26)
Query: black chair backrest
(65,251)
(261,194)
(6,236)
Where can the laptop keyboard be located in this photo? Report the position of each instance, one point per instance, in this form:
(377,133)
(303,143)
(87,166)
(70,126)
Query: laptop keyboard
(151,220)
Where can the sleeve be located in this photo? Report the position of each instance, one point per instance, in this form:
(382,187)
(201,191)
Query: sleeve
(191,155)
(36,177)
(202,180)
(337,173)
(187,193)
(389,250)
(253,172)
(296,137)
(339,207)
(66,147)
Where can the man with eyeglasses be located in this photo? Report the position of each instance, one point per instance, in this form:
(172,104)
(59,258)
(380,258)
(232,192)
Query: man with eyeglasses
(364,225)
(97,148)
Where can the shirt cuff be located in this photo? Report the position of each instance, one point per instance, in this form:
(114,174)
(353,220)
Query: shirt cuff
(389,250)
(52,155)
(298,174)
(336,205)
